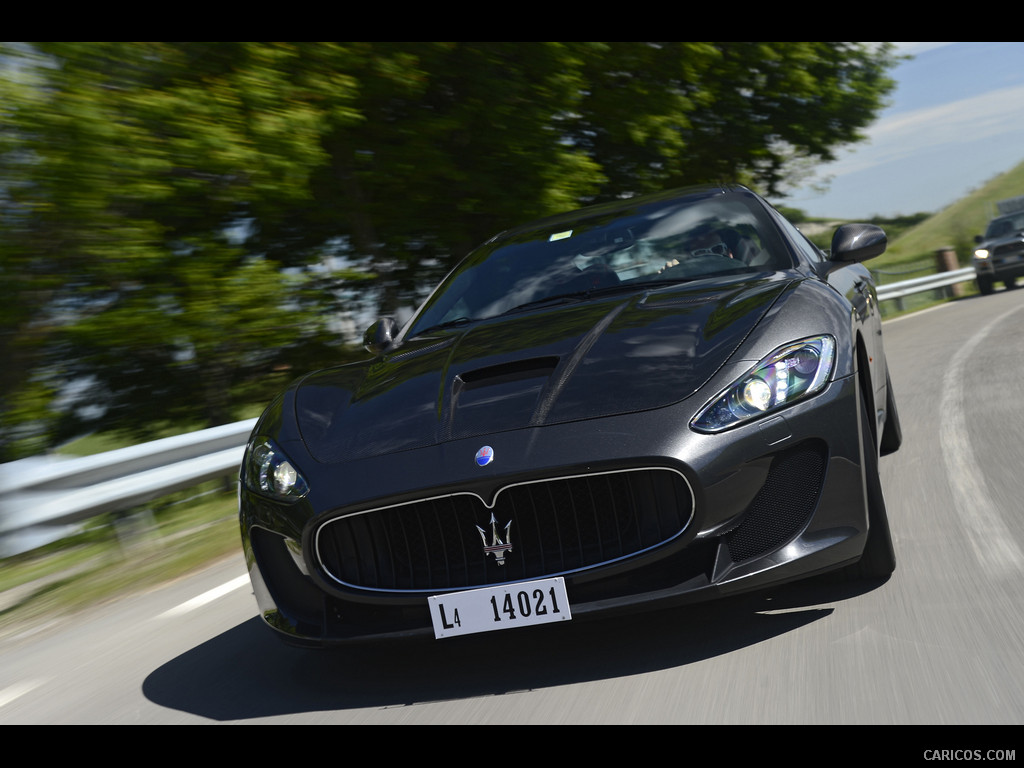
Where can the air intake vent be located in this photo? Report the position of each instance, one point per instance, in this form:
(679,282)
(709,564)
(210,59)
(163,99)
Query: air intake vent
(784,504)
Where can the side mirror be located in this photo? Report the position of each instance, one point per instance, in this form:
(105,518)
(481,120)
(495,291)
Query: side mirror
(858,242)
(380,335)
(979,239)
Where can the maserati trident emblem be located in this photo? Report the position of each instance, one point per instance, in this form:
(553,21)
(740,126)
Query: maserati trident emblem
(497,547)
(484,456)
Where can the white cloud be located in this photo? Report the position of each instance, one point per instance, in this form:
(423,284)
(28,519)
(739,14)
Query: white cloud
(960,122)
(919,158)
(914,49)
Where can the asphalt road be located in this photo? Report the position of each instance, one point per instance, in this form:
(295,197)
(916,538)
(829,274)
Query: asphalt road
(940,643)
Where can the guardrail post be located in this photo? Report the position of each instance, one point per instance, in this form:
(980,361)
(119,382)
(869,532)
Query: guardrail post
(946,261)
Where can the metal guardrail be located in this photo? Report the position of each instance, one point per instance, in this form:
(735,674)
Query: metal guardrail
(922,284)
(40,497)
(48,493)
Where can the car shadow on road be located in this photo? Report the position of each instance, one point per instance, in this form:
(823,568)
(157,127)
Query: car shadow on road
(247,673)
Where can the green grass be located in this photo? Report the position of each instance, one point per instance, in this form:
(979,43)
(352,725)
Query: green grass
(100,442)
(92,444)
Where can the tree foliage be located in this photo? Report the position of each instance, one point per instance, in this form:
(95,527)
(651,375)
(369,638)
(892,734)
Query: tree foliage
(183,224)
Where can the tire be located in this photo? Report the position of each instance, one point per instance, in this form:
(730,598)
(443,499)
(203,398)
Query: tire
(879,558)
(984,285)
(892,433)
(1010,283)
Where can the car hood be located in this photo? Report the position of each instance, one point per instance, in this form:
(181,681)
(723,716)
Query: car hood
(620,354)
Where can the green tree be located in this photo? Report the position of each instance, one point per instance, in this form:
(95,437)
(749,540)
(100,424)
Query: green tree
(129,174)
(659,115)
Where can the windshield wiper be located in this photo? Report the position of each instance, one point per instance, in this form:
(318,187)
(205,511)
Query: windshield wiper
(446,324)
(561,298)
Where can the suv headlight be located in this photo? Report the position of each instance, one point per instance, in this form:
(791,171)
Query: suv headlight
(269,472)
(789,374)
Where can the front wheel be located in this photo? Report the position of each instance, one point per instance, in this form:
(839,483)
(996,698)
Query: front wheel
(984,285)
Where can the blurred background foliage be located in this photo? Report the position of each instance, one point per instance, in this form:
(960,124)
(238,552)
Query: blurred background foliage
(186,226)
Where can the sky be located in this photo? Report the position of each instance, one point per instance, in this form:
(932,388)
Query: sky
(955,120)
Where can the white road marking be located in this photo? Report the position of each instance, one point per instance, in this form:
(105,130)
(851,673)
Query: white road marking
(12,692)
(17,690)
(206,597)
(992,541)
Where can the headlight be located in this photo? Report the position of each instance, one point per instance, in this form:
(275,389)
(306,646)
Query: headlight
(789,374)
(981,253)
(268,471)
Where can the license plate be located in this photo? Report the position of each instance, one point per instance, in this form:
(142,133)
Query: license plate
(503,607)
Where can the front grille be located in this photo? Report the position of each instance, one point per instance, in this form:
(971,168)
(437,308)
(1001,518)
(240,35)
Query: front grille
(1010,249)
(553,526)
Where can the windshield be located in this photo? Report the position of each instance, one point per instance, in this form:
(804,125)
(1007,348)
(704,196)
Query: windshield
(1004,226)
(650,244)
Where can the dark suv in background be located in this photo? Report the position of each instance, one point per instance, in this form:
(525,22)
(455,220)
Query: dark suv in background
(1000,252)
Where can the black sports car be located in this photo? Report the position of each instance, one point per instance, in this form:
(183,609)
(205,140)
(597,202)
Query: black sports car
(638,404)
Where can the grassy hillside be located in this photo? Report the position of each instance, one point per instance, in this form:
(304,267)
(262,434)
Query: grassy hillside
(914,240)
(955,226)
